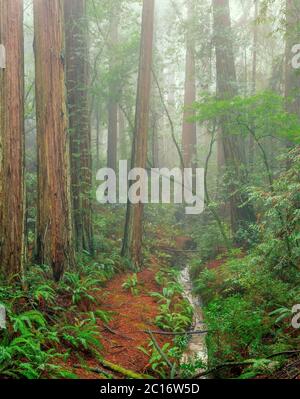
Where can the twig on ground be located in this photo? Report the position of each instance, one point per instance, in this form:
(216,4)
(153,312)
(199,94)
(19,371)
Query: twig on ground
(176,333)
(95,370)
(117,333)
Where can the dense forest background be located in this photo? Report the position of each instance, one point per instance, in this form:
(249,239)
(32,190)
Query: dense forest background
(210,84)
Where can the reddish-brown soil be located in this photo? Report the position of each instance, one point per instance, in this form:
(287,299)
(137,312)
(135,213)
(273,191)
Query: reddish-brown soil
(131,316)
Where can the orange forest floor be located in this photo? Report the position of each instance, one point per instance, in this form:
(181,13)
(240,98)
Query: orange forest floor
(131,316)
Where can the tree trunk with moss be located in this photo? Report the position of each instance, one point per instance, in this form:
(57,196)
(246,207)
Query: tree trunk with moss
(231,147)
(12,198)
(79,125)
(54,225)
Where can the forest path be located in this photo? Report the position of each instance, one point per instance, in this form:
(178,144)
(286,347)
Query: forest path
(124,334)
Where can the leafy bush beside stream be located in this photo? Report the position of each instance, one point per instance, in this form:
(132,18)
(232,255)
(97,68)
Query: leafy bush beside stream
(248,300)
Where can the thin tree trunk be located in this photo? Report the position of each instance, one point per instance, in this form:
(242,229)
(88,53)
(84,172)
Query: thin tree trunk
(189,130)
(254,72)
(98,137)
(132,244)
(112,139)
(12,198)
(123,137)
(54,226)
(292,81)
(79,124)
(155,146)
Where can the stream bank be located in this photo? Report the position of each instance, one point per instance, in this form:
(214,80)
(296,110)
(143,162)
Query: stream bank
(196,348)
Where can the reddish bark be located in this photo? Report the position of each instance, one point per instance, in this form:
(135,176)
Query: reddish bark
(54,227)
(132,245)
(12,199)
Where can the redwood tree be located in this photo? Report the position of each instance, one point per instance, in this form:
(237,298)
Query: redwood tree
(79,124)
(12,202)
(132,243)
(231,148)
(189,130)
(54,227)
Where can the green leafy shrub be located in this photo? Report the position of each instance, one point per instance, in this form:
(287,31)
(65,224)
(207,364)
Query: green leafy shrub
(83,334)
(131,284)
(80,287)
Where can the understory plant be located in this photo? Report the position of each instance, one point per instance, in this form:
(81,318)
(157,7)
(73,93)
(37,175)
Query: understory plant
(131,284)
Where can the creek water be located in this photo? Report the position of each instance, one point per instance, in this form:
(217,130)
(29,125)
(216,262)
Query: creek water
(196,348)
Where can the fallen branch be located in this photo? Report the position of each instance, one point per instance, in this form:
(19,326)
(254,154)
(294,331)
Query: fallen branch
(175,333)
(95,370)
(224,365)
(179,250)
(291,352)
(158,348)
(243,363)
(117,333)
(119,369)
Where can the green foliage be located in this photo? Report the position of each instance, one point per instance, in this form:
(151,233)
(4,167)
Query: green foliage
(24,357)
(157,361)
(23,348)
(190,369)
(205,285)
(164,276)
(131,284)
(28,321)
(210,242)
(168,292)
(81,288)
(260,366)
(83,334)
(248,300)
(175,313)
(279,225)
(178,320)
(261,115)
(238,327)
(44,292)
(42,327)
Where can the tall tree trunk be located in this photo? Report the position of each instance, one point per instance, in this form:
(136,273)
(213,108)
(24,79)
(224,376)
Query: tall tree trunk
(79,124)
(232,146)
(123,136)
(132,244)
(112,138)
(189,130)
(98,137)
(155,146)
(12,199)
(225,65)
(54,226)
(254,73)
(292,76)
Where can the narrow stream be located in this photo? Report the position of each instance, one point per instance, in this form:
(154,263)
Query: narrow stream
(197,346)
